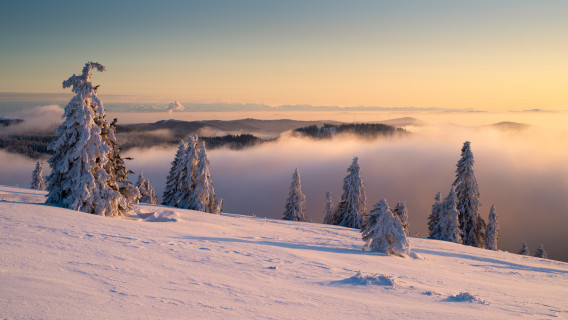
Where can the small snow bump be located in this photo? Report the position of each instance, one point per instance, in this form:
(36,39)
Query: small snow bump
(366,280)
(466,297)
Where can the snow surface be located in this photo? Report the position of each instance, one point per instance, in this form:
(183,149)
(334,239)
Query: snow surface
(56,263)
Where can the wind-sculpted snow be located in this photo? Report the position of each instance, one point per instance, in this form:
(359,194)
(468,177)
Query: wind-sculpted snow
(465,297)
(61,264)
(367,280)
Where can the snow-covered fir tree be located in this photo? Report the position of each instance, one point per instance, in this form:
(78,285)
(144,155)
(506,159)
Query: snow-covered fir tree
(383,232)
(38,180)
(351,210)
(540,252)
(434,219)
(471,223)
(448,223)
(169,197)
(328,212)
(79,179)
(525,250)
(492,232)
(296,203)
(187,176)
(203,197)
(401,212)
(147,192)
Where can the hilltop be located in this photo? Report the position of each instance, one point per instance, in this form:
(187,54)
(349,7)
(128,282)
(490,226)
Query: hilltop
(178,264)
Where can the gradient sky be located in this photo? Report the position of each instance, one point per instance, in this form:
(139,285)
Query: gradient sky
(490,55)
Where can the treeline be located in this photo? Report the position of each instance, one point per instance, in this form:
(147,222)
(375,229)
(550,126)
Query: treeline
(8,122)
(31,146)
(36,146)
(364,130)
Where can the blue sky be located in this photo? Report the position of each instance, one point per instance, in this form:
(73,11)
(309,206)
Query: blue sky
(484,54)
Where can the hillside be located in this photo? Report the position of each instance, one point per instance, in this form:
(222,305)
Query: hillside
(169,263)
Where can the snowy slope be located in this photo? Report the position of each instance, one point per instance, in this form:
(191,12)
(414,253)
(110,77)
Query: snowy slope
(180,264)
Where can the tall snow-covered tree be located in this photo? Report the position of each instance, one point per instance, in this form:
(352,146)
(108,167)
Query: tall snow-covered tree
(38,180)
(383,232)
(448,223)
(401,212)
(471,224)
(525,250)
(79,179)
(351,211)
(172,187)
(187,176)
(203,197)
(434,219)
(147,192)
(492,232)
(329,213)
(540,252)
(296,203)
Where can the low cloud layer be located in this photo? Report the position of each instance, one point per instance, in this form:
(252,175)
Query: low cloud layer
(37,121)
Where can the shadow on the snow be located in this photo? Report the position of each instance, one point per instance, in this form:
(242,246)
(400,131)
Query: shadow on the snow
(497,263)
(289,245)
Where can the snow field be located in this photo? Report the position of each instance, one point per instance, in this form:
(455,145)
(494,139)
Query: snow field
(57,263)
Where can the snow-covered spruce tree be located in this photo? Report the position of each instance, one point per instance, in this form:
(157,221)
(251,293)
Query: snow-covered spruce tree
(203,196)
(434,219)
(525,250)
(540,252)
(448,223)
(296,202)
(471,224)
(351,210)
(188,171)
(79,179)
(383,232)
(328,211)
(492,232)
(168,199)
(38,180)
(401,212)
(147,192)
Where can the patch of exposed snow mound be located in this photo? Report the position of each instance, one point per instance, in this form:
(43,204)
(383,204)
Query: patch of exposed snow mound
(366,280)
(466,297)
(163,216)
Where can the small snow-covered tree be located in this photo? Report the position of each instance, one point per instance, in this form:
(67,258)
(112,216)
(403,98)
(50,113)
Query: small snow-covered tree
(448,223)
(147,192)
(525,250)
(351,210)
(187,176)
(79,178)
(328,211)
(540,252)
(296,203)
(38,180)
(492,233)
(383,232)
(203,197)
(401,212)
(172,187)
(467,191)
(434,219)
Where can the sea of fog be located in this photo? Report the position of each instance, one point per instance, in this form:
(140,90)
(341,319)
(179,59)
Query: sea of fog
(523,173)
